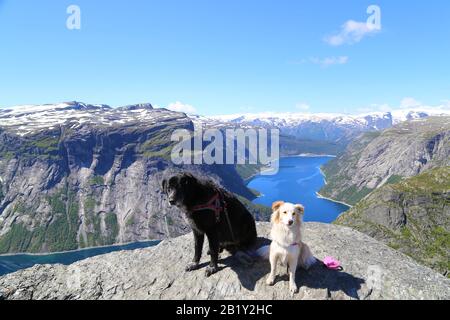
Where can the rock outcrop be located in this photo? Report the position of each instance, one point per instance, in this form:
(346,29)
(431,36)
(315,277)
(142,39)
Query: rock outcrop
(75,175)
(372,271)
(379,158)
(412,216)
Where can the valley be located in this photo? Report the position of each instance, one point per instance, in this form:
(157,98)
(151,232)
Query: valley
(74,175)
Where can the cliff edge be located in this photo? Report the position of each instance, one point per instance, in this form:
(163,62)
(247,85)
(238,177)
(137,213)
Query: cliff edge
(371,271)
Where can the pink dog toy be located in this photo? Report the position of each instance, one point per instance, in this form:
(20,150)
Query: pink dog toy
(332,264)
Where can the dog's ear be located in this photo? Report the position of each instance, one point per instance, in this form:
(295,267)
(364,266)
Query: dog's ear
(300,209)
(277,205)
(276,213)
(275,218)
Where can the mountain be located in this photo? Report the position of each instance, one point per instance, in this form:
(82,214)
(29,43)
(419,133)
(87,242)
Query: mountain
(323,133)
(378,158)
(332,131)
(323,127)
(412,216)
(75,175)
(402,115)
(372,271)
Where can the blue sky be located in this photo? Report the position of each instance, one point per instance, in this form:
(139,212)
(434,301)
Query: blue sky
(221,57)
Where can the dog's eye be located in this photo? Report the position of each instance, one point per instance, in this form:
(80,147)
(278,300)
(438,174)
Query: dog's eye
(293,213)
(285,212)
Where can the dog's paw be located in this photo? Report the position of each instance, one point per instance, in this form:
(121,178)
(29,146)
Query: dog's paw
(270,281)
(209,252)
(210,270)
(293,288)
(192,267)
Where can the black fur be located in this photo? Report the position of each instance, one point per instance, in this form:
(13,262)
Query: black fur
(186,191)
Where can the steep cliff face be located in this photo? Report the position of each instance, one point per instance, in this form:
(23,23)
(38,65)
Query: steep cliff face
(412,216)
(379,158)
(371,271)
(77,175)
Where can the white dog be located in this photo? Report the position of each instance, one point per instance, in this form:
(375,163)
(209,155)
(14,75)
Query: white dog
(287,246)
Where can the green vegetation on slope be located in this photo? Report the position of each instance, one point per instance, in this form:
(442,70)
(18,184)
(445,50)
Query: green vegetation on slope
(97,181)
(246,171)
(291,146)
(60,234)
(338,186)
(256,210)
(112,228)
(432,181)
(378,158)
(37,147)
(159,145)
(95,235)
(424,231)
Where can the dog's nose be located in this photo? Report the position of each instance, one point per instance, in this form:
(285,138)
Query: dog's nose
(291,222)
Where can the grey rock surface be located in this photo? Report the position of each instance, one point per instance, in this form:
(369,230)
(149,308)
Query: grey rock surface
(372,271)
(89,176)
(378,158)
(412,216)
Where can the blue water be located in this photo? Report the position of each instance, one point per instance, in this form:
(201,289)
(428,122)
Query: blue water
(14,263)
(297,181)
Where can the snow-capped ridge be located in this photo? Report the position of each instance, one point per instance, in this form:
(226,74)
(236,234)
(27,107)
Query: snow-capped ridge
(29,119)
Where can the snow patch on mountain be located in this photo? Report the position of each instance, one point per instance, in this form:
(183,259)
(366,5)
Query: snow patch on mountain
(287,119)
(29,119)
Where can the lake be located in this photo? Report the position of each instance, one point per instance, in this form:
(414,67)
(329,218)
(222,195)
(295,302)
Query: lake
(12,263)
(298,181)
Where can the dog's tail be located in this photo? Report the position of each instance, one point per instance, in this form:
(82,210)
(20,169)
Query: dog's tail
(263,253)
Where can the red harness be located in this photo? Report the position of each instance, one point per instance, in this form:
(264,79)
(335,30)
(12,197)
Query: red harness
(215,204)
(218,205)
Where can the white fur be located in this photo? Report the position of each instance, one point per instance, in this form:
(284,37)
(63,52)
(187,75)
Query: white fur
(287,246)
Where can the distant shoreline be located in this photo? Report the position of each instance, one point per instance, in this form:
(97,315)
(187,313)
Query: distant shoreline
(5,255)
(307,155)
(326,198)
(324,176)
(301,155)
(332,200)
(311,155)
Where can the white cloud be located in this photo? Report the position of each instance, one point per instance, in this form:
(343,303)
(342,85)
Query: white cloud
(302,106)
(409,102)
(297,62)
(181,107)
(323,62)
(329,61)
(375,108)
(351,32)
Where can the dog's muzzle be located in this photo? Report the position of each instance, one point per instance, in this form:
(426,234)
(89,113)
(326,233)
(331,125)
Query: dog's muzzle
(172,198)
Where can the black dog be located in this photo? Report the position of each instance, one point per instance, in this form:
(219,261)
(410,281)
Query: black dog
(213,212)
